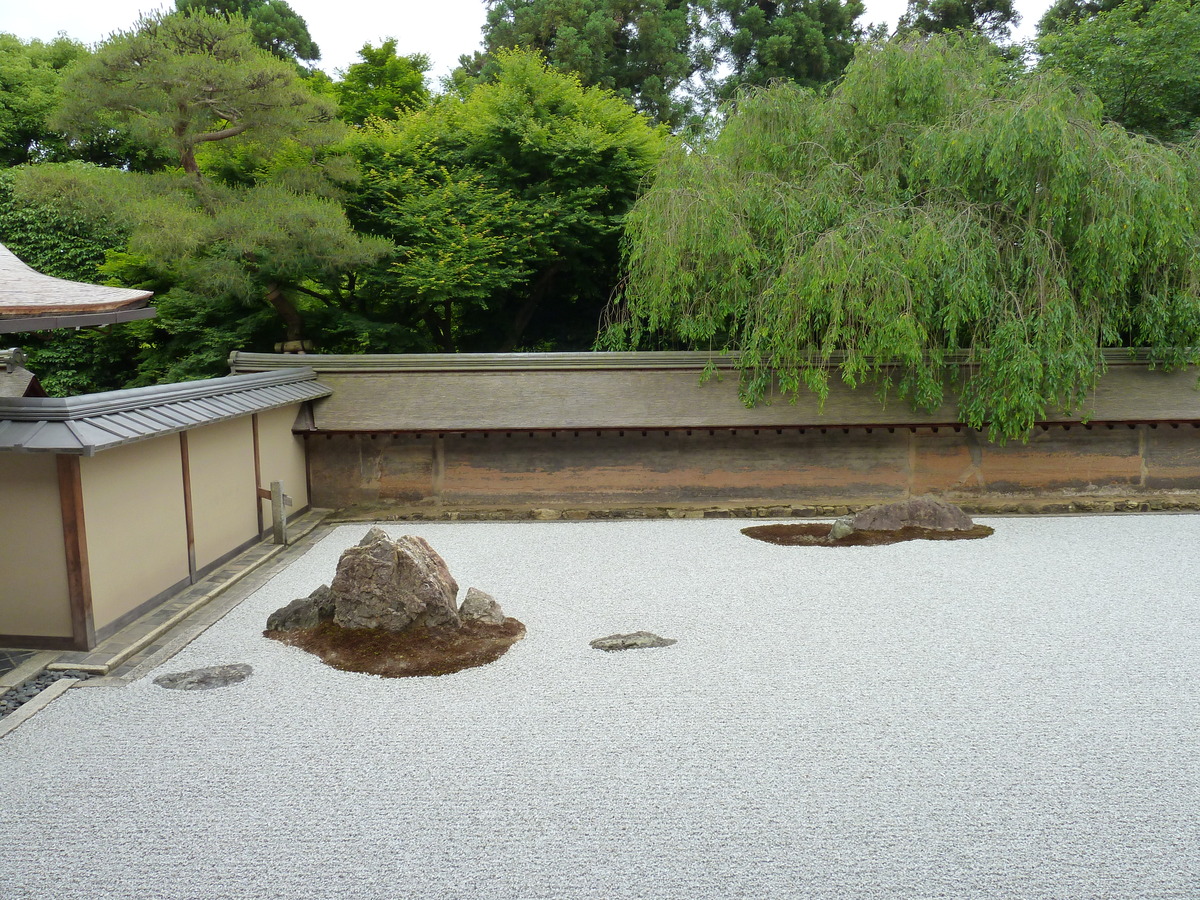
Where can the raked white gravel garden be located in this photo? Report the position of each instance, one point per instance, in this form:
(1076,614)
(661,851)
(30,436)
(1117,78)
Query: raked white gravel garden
(1012,717)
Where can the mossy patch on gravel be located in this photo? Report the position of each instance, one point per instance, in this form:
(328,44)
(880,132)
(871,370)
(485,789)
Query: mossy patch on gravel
(401,654)
(817,535)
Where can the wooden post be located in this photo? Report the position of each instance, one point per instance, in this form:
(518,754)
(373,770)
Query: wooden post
(279,504)
(189,524)
(257,473)
(79,579)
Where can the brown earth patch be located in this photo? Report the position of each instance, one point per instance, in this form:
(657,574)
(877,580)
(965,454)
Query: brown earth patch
(817,535)
(403,654)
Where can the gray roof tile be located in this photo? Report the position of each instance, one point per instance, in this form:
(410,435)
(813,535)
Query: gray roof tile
(87,424)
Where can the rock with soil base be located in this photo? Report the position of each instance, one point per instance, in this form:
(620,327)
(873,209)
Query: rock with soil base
(391,611)
(205,679)
(392,585)
(917,512)
(307,612)
(480,607)
(639,640)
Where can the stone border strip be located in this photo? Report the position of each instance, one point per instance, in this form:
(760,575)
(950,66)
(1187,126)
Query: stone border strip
(26,670)
(34,706)
(1179,502)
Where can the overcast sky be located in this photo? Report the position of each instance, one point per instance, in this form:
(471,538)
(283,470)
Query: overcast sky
(442,29)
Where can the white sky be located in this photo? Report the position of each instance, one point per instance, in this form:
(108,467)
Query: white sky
(442,29)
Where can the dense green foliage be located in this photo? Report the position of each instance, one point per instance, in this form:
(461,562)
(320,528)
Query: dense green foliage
(31,76)
(993,19)
(181,80)
(239,257)
(936,203)
(940,203)
(55,238)
(29,80)
(505,208)
(639,49)
(1063,13)
(675,59)
(382,85)
(1143,63)
(809,42)
(274,25)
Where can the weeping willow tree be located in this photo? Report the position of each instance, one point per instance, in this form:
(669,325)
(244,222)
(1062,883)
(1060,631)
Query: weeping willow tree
(937,219)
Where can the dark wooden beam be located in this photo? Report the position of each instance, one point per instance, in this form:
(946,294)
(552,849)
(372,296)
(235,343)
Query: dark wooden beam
(79,578)
(187,505)
(257,474)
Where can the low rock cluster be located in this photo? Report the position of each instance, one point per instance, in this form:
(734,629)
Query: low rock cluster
(392,609)
(917,512)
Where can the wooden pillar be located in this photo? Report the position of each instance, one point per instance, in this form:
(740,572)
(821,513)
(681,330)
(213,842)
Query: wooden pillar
(79,578)
(257,474)
(188,521)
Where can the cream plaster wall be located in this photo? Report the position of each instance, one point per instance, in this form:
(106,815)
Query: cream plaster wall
(221,462)
(281,458)
(34,597)
(136,531)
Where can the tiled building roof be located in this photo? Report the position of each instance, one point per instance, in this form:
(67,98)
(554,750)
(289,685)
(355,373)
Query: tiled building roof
(93,422)
(31,301)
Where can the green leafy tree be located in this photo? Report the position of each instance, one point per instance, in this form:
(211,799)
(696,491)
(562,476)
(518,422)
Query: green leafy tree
(935,218)
(504,208)
(809,42)
(994,19)
(30,89)
(29,79)
(274,25)
(1065,12)
(182,80)
(1143,63)
(382,85)
(268,229)
(56,238)
(640,49)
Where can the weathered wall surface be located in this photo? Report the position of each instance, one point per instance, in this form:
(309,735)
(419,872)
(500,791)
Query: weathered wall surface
(589,430)
(136,529)
(221,470)
(747,466)
(34,598)
(282,458)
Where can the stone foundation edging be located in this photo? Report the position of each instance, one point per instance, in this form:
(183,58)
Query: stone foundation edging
(1172,503)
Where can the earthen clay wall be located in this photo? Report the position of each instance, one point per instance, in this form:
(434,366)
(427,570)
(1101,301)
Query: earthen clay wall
(752,467)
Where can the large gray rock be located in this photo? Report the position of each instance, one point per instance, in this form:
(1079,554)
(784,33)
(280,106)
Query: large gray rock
(478,606)
(639,640)
(920,512)
(392,585)
(307,612)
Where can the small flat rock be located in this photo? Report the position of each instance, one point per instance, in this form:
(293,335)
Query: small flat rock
(639,640)
(205,679)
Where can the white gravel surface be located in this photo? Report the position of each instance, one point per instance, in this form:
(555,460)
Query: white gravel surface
(1013,717)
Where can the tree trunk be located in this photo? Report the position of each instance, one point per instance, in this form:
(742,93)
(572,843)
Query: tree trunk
(287,311)
(187,157)
(525,311)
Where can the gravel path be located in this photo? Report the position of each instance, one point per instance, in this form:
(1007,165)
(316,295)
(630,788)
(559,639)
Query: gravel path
(1014,717)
